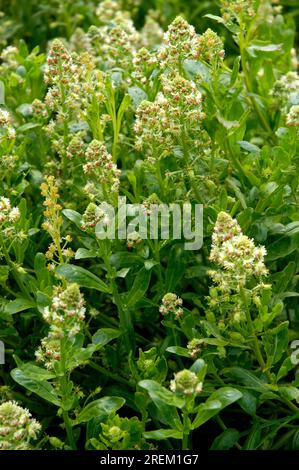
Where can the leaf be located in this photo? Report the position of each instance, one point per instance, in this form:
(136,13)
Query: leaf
(235,72)
(2,93)
(4,272)
(275,342)
(156,391)
(179,351)
(101,407)
(248,402)
(215,403)
(19,305)
(83,253)
(259,46)
(28,126)
(41,388)
(248,379)
(248,146)
(139,287)
(283,247)
(34,372)
(104,336)
(226,440)
(137,95)
(227,124)
(175,268)
(41,271)
(161,434)
(254,438)
(73,216)
(285,368)
(82,277)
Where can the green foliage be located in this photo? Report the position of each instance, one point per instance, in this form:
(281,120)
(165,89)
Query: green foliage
(127,342)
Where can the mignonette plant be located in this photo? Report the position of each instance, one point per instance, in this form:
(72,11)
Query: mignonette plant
(118,339)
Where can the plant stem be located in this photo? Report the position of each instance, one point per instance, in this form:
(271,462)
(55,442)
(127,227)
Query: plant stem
(64,393)
(69,431)
(263,120)
(186,430)
(124,314)
(255,343)
(13,269)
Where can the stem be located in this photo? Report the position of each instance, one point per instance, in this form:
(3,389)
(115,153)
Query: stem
(263,120)
(13,269)
(186,431)
(255,343)
(69,430)
(189,171)
(124,315)
(64,389)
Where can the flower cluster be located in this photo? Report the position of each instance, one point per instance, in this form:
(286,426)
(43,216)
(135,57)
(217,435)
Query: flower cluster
(53,222)
(286,87)
(8,213)
(237,10)
(100,168)
(171,303)
(194,347)
(235,253)
(186,383)
(17,427)
(208,47)
(8,162)
(48,352)
(292,118)
(181,43)
(151,34)
(117,39)
(144,63)
(133,239)
(66,312)
(177,43)
(163,121)
(92,215)
(6,128)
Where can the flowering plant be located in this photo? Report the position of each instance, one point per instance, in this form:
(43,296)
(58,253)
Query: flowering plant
(183,108)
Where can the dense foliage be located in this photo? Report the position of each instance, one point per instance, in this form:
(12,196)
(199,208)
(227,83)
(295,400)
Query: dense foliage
(133,342)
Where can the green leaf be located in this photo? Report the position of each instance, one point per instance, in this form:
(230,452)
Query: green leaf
(137,95)
(248,402)
(104,336)
(275,342)
(73,216)
(101,407)
(285,368)
(19,305)
(248,379)
(82,277)
(139,287)
(28,126)
(156,391)
(175,268)
(83,253)
(254,438)
(161,434)
(215,403)
(283,247)
(248,146)
(289,392)
(34,372)
(179,351)
(4,272)
(40,387)
(226,440)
